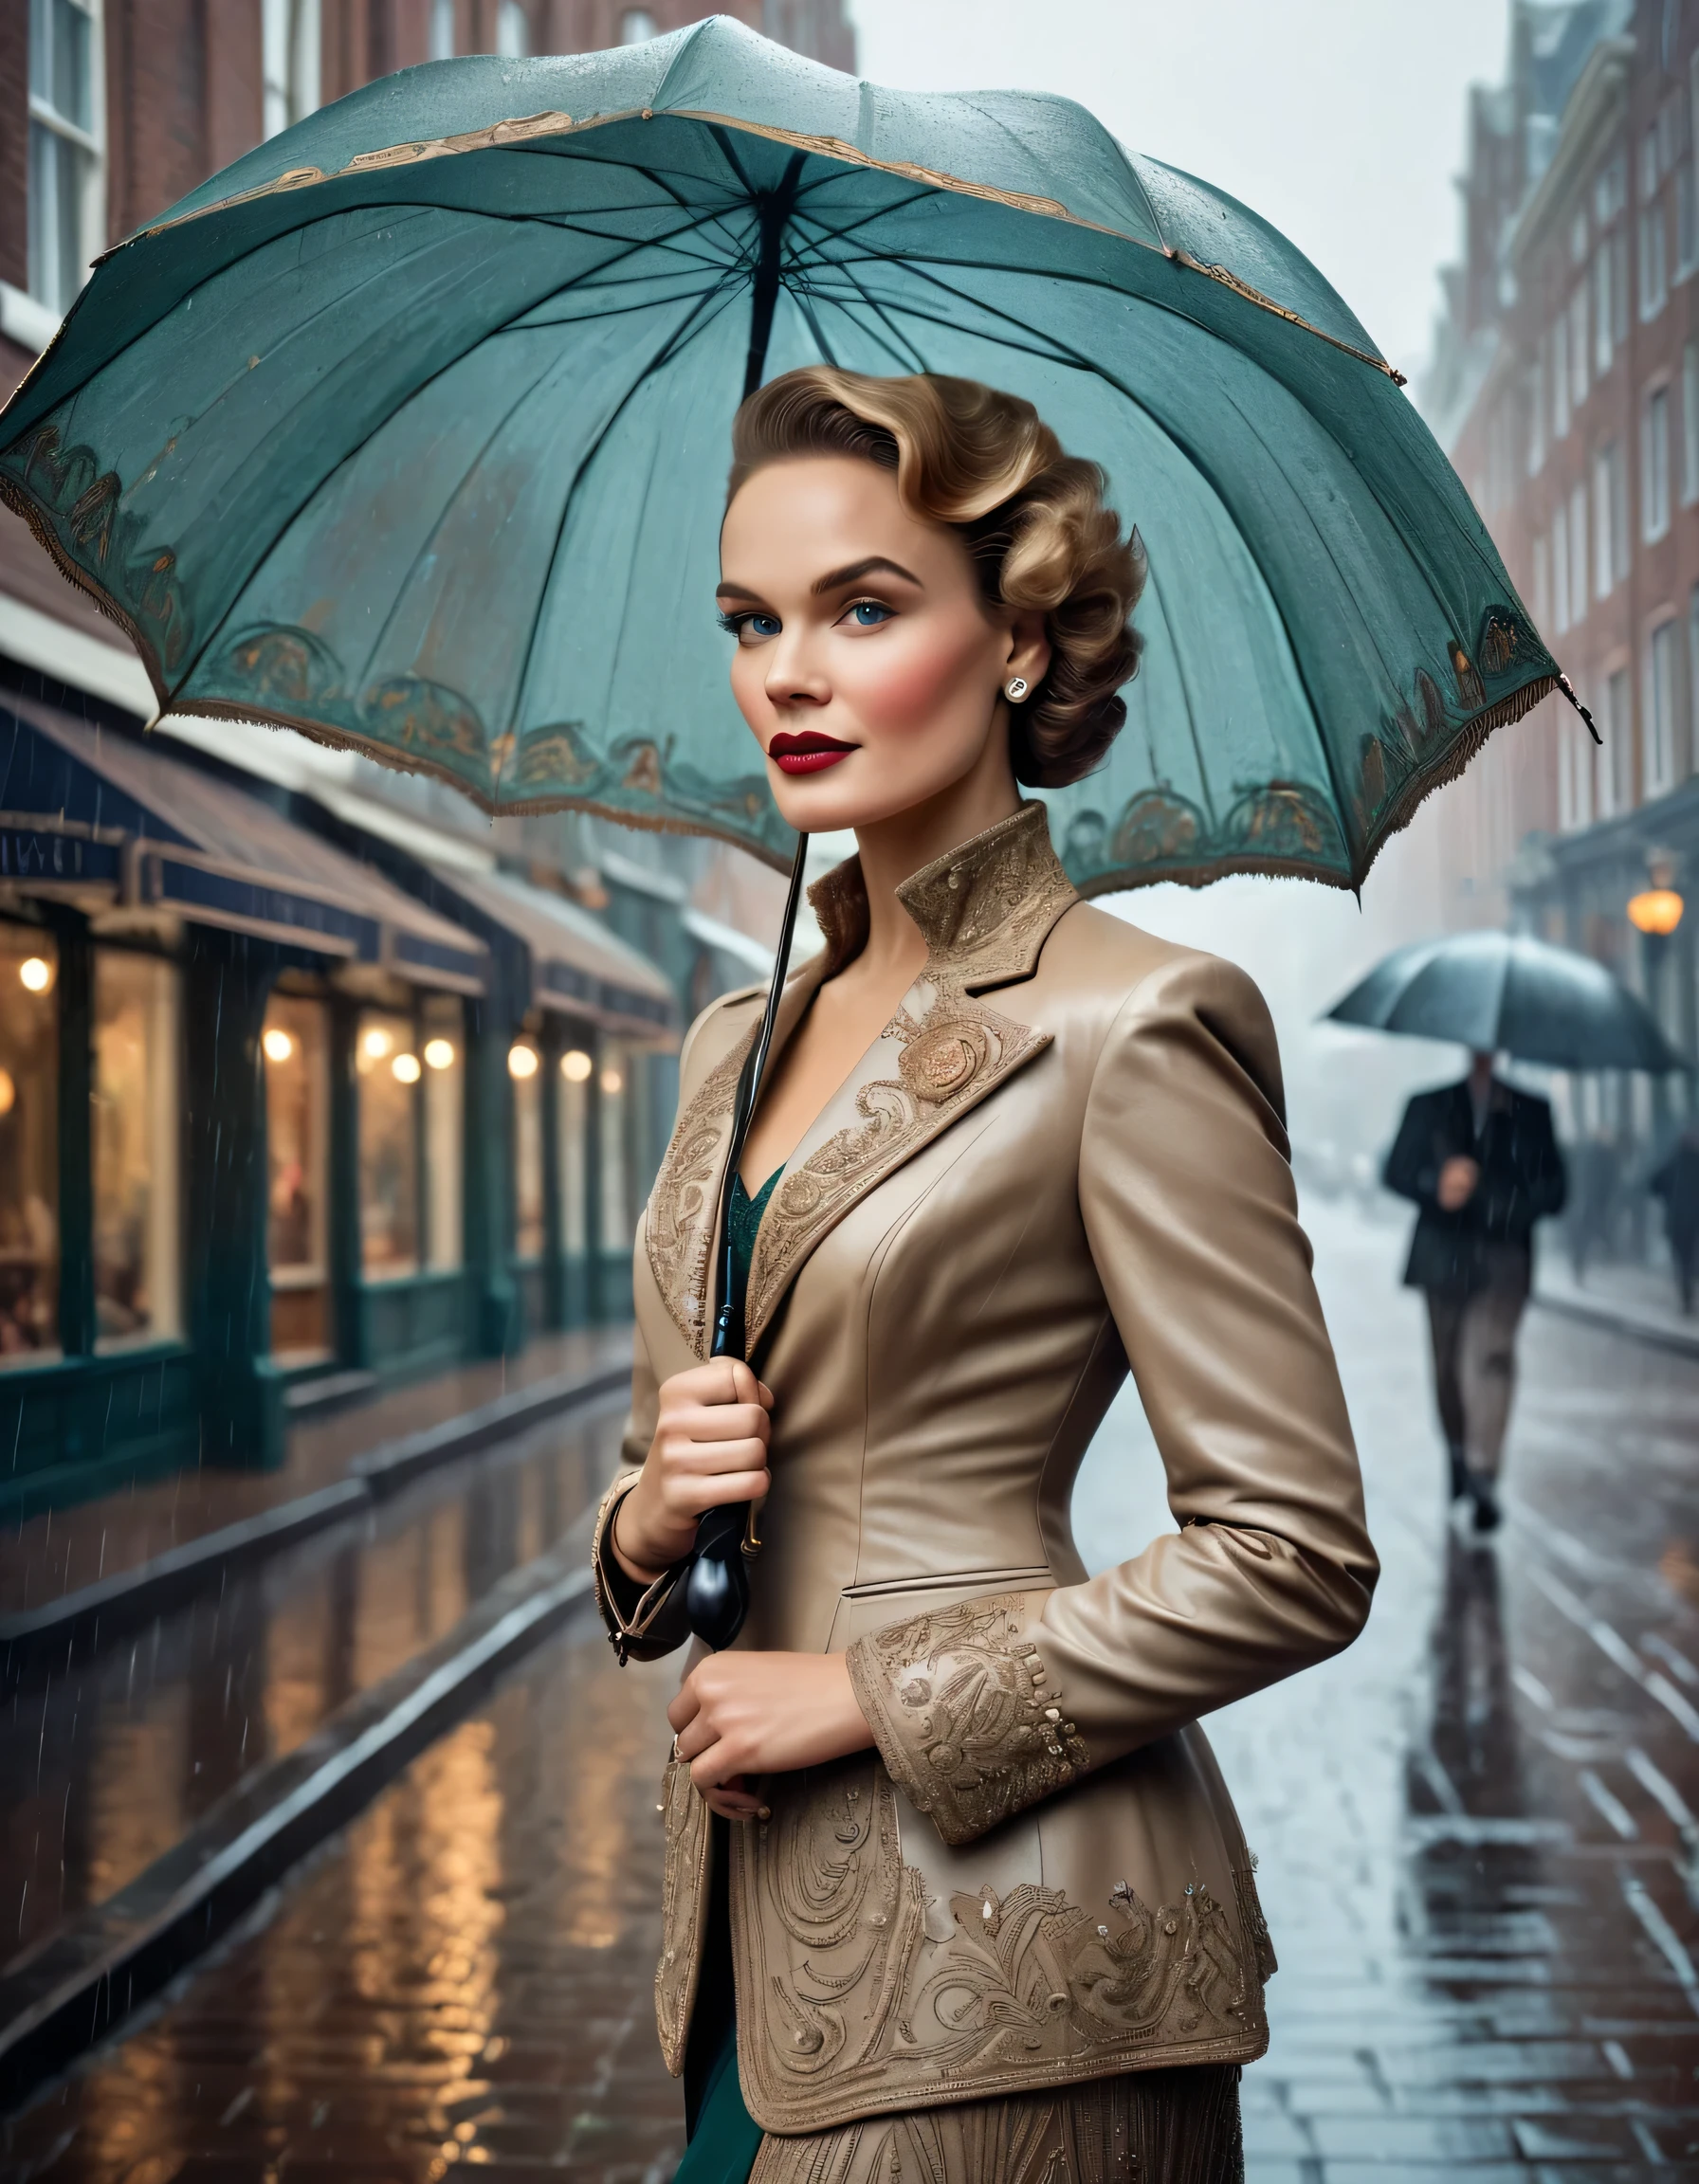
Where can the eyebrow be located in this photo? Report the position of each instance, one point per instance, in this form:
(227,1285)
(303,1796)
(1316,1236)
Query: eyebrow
(835,579)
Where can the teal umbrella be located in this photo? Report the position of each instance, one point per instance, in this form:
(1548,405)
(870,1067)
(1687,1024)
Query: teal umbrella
(410,431)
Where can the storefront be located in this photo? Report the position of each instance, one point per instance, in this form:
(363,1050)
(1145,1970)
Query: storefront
(182,973)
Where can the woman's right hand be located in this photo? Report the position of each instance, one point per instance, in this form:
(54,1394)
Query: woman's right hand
(709,1449)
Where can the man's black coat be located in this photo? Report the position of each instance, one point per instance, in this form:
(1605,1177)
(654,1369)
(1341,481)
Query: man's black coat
(1522,1180)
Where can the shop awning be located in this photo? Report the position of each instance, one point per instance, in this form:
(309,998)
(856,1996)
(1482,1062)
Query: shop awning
(89,816)
(576,963)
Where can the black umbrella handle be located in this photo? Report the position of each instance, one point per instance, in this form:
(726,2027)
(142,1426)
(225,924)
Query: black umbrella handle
(716,1583)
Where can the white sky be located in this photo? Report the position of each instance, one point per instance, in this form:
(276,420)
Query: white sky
(1340,120)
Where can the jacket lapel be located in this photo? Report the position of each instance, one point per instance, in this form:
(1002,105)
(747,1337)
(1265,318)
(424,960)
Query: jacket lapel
(986,910)
(682,1221)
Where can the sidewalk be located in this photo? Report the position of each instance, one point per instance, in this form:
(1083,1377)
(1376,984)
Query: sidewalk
(65,1549)
(1638,1301)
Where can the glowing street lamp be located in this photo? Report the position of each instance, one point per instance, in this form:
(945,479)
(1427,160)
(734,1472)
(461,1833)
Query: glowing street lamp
(1656,912)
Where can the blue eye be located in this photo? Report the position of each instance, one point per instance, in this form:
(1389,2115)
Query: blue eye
(868,613)
(763,624)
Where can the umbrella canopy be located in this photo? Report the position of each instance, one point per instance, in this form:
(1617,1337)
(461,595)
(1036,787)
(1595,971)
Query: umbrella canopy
(1503,993)
(410,430)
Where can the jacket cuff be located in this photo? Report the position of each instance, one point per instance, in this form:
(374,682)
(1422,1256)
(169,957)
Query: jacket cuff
(964,1715)
(643,1621)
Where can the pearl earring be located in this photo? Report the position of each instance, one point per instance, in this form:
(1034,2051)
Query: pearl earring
(1016,689)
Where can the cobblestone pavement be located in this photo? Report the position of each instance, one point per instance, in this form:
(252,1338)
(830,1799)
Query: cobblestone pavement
(1476,1854)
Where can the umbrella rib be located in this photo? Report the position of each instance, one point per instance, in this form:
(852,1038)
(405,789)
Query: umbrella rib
(674,340)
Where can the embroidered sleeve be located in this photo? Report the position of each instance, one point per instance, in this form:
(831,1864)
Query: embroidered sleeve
(964,1716)
(643,1622)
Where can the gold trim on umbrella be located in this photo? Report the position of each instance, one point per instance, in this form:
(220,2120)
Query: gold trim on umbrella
(530,127)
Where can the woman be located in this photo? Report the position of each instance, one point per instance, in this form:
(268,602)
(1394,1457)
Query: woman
(972,1871)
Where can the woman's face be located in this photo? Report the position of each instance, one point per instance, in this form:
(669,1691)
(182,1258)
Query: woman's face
(869,667)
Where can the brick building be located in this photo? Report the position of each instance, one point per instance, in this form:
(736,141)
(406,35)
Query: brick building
(1565,388)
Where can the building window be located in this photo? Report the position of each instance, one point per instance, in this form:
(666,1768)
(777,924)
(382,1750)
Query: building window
(1604,318)
(577,1067)
(29,1145)
(1690,424)
(136,1118)
(1615,763)
(1541,583)
(1559,377)
(1655,465)
(1654,280)
(636,25)
(1578,347)
(1536,417)
(66,139)
(442,30)
(289,57)
(513,39)
(1610,520)
(443,1051)
(1575,775)
(387,1073)
(1560,571)
(524,1067)
(614,1084)
(296,1045)
(1686,240)
(1693,677)
(1578,556)
(1620,287)
(1659,709)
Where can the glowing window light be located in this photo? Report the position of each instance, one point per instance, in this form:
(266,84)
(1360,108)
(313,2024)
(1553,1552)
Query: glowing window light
(439,1053)
(522,1060)
(575,1066)
(375,1042)
(36,974)
(277,1045)
(9,1092)
(613,1081)
(404,1068)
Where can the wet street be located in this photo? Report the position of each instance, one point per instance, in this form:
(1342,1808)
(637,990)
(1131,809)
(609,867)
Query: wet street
(1476,1848)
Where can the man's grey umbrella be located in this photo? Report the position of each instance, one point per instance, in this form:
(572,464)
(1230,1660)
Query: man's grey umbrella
(1503,993)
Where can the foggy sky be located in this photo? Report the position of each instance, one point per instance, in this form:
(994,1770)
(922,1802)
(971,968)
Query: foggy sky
(1340,120)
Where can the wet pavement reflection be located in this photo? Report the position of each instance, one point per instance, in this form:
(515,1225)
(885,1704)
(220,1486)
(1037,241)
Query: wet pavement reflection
(104,1768)
(1478,1852)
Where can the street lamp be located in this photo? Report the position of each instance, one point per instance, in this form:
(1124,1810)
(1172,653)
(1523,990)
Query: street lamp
(1655,911)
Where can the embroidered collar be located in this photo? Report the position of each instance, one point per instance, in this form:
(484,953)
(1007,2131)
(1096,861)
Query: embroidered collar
(984,908)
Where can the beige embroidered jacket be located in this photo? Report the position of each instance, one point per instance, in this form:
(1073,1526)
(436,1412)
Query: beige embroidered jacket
(1064,1156)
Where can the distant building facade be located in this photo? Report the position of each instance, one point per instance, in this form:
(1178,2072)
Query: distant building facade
(1565,388)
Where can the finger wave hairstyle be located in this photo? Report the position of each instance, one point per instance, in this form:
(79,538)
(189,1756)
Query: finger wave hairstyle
(1032,518)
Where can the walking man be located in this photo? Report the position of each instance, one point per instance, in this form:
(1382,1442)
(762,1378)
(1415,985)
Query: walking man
(1481,1161)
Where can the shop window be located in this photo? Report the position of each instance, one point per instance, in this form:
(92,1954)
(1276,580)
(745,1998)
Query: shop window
(29,1145)
(387,1071)
(66,212)
(572,1110)
(524,1067)
(443,1050)
(614,1085)
(137,1122)
(296,1045)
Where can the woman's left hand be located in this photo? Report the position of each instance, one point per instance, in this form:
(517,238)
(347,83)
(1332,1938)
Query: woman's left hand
(740,1714)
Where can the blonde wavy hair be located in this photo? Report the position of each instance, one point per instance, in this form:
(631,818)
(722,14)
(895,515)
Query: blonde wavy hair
(1032,518)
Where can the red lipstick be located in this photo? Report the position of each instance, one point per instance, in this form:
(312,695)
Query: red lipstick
(807,753)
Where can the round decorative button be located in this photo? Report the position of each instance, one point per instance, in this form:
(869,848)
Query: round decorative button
(942,1059)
